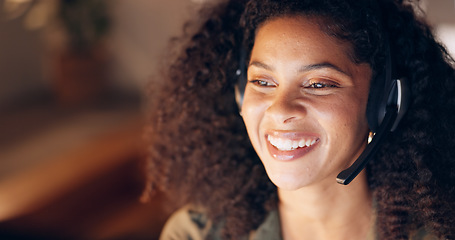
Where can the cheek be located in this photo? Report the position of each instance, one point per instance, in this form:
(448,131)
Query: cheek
(344,120)
(252,112)
(254,105)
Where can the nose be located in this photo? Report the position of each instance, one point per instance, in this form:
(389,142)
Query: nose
(287,106)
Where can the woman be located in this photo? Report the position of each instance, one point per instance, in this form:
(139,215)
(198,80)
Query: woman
(312,71)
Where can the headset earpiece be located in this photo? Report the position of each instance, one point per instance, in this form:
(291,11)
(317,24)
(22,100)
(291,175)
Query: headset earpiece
(398,94)
(402,100)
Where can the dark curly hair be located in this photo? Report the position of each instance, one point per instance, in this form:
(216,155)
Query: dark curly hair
(200,151)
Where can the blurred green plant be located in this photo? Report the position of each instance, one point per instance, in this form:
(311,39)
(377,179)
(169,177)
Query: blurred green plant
(85,21)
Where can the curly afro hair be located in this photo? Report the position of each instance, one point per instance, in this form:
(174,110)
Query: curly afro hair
(200,151)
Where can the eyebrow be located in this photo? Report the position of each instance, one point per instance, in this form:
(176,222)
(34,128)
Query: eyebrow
(261,65)
(304,68)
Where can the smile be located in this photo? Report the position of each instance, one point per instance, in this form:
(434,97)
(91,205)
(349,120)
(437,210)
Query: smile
(291,145)
(288,144)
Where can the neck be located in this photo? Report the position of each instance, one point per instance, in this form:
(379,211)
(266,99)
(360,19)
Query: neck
(326,211)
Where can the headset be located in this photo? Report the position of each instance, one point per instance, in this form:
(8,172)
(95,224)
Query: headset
(388,101)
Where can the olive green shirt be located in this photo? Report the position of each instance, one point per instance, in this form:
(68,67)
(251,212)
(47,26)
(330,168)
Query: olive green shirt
(189,224)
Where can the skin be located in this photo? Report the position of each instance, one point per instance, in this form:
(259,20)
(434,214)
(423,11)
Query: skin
(303,86)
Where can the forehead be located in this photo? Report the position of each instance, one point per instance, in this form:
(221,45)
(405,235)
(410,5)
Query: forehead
(300,32)
(299,40)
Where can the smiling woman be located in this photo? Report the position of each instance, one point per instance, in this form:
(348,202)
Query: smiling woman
(314,70)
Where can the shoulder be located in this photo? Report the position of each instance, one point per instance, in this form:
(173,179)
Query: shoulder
(189,223)
(192,223)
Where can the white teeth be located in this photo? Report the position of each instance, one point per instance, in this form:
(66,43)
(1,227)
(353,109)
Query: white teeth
(308,142)
(288,145)
(295,145)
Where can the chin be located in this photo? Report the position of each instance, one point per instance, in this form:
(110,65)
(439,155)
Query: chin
(290,182)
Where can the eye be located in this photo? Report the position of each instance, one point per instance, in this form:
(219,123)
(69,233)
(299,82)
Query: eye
(262,83)
(319,85)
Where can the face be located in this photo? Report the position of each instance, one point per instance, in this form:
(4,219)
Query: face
(304,104)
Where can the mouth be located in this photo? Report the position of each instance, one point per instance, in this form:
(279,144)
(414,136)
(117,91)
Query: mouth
(286,147)
(283,144)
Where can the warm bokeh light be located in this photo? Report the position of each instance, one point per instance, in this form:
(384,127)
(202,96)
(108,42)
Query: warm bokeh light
(72,81)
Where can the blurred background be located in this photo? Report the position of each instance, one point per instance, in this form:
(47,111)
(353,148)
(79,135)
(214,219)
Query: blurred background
(73,75)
